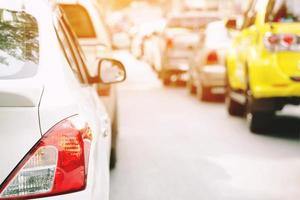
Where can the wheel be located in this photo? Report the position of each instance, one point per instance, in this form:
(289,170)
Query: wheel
(203,93)
(113,158)
(259,121)
(114,139)
(190,86)
(234,108)
(166,81)
(166,77)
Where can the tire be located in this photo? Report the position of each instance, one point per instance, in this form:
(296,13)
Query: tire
(166,77)
(191,87)
(203,93)
(259,121)
(113,159)
(233,108)
(166,81)
(114,139)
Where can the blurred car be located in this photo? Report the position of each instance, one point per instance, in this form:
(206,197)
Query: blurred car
(93,34)
(153,44)
(55,133)
(138,34)
(181,37)
(119,25)
(144,16)
(263,62)
(207,71)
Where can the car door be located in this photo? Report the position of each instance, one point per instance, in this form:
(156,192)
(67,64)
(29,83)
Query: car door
(242,43)
(93,106)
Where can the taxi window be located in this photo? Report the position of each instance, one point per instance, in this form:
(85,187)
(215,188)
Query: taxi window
(19,45)
(284,11)
(80,20)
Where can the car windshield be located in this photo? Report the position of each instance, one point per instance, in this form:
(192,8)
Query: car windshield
(285,11)
(80,20)
(19,45)
(190,22)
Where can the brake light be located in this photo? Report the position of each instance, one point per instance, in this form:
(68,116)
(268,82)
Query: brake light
(288,40)
(170,43)
(56,164)
(212,58)
(282,42)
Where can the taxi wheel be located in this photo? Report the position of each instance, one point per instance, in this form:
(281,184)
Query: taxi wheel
(259,121)
(233,108)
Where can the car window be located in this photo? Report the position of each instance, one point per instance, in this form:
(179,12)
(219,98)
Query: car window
(76,49)
(80,20)
(69,53)
(19,45)
(284,11)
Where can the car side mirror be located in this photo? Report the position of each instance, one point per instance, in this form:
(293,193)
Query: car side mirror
(111,71)
(231,24)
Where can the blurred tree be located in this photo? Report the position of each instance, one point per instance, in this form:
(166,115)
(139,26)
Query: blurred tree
(18,36)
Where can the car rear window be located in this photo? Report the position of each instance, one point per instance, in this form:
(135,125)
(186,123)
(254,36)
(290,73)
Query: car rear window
(285,11)
(19,45)
(80,20)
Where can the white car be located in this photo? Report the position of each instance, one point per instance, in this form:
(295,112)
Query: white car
(55,132)
(119,24)
(207,72)
(181,38)
(92,31)
(153,44)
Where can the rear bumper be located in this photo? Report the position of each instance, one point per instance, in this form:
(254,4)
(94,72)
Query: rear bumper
(273,104)
(279,91)
(175,68)
(213,75)
(85,194)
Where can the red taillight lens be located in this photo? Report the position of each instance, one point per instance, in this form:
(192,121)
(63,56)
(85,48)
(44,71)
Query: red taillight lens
(281,42)
(170,43)
(212,58)
(56,164)
(288,40)
(273,39)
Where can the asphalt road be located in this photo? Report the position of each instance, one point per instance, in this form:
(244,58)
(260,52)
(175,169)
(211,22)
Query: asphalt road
(172,147)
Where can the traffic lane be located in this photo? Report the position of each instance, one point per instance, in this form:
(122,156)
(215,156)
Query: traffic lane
(171,146)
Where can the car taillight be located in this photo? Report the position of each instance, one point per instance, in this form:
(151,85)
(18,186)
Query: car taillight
(288,40)
(57,164)
(212,58)
(282,42)
(170,43)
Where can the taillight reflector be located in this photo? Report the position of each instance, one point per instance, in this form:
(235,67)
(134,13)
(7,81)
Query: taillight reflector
(212,58)
(57,164)
(282,42)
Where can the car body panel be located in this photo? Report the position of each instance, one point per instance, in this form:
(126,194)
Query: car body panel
(251,64)
(20,130)
(63,96)
(96,48)
(214,40)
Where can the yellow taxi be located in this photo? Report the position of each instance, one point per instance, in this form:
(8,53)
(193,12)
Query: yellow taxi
(263,61)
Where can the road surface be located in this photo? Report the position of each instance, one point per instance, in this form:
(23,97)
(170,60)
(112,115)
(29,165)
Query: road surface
(172,147)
